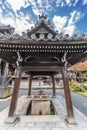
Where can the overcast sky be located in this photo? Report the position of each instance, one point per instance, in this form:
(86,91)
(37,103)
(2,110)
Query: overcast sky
(67,16)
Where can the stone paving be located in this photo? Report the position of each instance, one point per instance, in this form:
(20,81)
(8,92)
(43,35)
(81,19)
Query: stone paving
(50,122)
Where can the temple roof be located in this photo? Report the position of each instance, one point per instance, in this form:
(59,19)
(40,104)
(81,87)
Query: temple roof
(6,29)
(44,42)
(42,31)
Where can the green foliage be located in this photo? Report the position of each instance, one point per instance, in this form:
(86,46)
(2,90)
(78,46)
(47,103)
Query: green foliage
(83,93)
(6,92)
(9,90)
(75,86)
(83,85)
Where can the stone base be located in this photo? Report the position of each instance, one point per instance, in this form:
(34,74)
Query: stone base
(11,120)
(70,120)
(29,96)
(40,107)
(54,96)
(40,119)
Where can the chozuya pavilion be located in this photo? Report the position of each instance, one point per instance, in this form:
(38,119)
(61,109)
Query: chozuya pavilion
(41,51)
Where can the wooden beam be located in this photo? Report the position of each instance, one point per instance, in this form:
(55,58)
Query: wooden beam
(45,63)
(70,113)
(14,98)
(30,84)
(41,68)
(46,73)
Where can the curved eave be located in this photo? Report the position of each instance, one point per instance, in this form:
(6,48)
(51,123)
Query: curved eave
(10,57)
(41,42)
(76,58)
(76,51)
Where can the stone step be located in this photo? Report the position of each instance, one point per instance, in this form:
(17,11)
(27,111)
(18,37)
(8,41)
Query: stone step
(40,119)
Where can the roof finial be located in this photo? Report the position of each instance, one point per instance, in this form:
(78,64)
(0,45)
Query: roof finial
(42,16)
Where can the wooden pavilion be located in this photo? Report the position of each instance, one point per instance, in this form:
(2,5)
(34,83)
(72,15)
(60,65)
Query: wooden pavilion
(42,51)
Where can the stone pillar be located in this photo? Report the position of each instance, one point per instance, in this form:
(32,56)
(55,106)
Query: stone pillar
(14,98)
(53,83)
(70,113)
(30,83)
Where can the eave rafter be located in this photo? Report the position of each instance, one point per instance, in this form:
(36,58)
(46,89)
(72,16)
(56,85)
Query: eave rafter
(10,57)
(69,47)
(75,58)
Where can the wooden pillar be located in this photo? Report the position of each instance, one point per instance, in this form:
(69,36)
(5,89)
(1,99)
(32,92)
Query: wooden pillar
(5,75)
(0,67)
(53,83)
(14,98)
(3,67)
(70,113)
(30,83)
(4,79)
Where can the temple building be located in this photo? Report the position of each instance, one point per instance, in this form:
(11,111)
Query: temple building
(41,51)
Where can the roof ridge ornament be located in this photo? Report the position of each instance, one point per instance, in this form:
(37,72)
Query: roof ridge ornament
(42,16)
